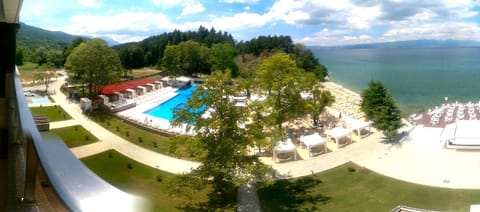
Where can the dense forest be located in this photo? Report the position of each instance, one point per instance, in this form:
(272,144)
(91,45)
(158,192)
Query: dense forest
(189,52)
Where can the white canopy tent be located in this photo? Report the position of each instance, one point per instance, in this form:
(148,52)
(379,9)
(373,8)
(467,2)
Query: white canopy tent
(338,133)
(359,125)
(284,147)
(144,90)
(312,141)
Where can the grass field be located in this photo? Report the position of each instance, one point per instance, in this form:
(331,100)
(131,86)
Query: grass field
(74,136)
(27,71)
(353,188)
(140,137)
(137,73)
(54,113)
(149,183)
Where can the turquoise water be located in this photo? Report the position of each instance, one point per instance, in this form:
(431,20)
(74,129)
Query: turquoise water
(40,100)
(418,78)
(165,110)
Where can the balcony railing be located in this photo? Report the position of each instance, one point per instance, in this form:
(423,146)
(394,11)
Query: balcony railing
(45,164)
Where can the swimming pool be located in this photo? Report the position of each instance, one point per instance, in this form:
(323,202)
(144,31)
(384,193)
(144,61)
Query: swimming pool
(40,100)
(165,110)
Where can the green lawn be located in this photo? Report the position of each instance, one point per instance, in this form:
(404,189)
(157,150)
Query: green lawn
(143,181)
(143,138)
(54,113)
(339,189)
(74,136)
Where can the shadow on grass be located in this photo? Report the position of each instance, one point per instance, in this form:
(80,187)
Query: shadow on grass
(292,195)
(219,200)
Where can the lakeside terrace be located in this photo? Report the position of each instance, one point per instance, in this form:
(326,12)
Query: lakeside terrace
(304,140)
(450,125)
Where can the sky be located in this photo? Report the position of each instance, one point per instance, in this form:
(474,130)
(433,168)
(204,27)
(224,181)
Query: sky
(311,22)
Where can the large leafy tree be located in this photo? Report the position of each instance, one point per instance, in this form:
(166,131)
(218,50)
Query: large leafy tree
(380,107)
(223,136)
(316,102)
(282,81)
(171,61)
(45,74)
(95,64)
(185,58)
(222,57)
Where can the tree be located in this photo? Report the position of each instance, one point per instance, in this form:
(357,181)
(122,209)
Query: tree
(45,73)
(95,64)
(380,107)
(171,61)
(220,141)
(222,58)
(283,83)
(317,101)
(19,58)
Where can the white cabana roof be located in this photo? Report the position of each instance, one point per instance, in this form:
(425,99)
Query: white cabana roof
(312,140)
(338,133)
(359,124)
(130,90)
(284,147)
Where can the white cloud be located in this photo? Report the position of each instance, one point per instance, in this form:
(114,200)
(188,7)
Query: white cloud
(239,1)
(167,3)
(237,22)
(189,7)
(192,7)
(328,37)
(440,31)
(90,3)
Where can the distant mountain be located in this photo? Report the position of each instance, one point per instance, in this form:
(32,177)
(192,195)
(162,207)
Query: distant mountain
(30,36)
(411,44)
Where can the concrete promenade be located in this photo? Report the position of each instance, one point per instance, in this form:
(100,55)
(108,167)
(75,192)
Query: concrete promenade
(408,161)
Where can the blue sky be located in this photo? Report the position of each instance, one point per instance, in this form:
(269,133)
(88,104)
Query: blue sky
(311,22)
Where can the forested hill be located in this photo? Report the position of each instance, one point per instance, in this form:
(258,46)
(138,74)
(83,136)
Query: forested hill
(33,37)
(151,49)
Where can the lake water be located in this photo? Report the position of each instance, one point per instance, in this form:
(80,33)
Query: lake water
(418,78)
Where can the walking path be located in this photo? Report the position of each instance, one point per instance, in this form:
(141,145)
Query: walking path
(407,161)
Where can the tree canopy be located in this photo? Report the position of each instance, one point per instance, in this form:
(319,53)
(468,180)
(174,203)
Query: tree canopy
(95,64)
(223,136)
(282,81)
(380,107)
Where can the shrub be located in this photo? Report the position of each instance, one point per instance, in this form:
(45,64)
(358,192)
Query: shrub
(159,178)
(140,139)
(75,128)
(351,169)
(129,166)
(87,138)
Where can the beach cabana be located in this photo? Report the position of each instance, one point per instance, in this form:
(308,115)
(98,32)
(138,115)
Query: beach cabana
(359,125)
(337,134)
(314,142)
(283,151)
(131,92)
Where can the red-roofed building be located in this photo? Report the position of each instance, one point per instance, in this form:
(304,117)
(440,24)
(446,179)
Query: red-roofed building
(119,87)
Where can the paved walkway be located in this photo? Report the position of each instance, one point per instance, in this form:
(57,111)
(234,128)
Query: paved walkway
(408,162)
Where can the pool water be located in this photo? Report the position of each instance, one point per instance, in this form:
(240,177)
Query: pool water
(165,110)
(41,100)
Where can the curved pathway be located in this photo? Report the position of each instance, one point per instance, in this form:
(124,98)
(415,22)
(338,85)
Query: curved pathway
(406,161)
